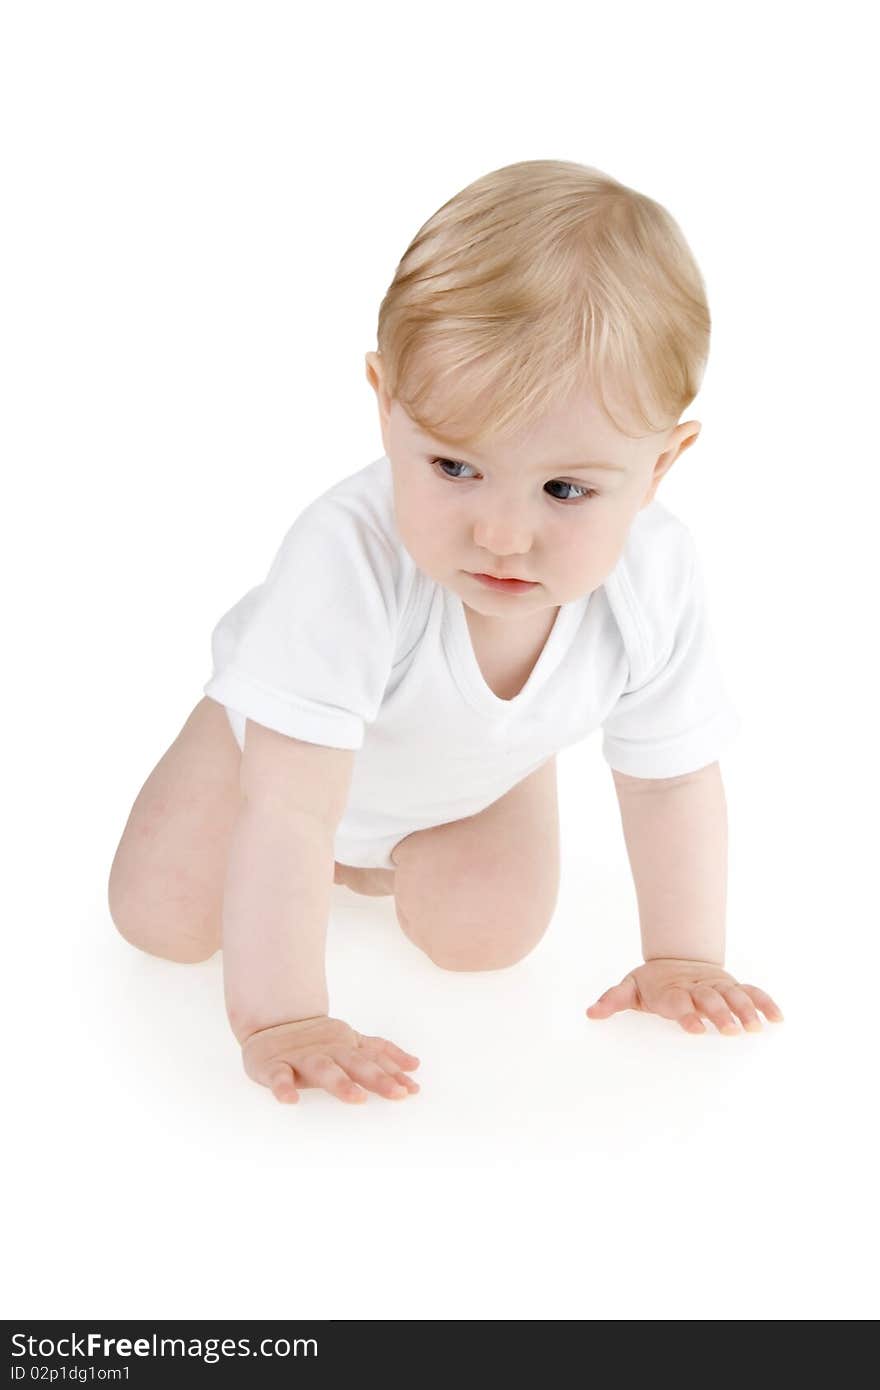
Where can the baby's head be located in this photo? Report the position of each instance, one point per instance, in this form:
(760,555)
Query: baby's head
(540,340)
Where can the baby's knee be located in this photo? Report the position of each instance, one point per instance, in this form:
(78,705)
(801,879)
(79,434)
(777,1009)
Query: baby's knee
(469,947)
(170,943)
(459,956)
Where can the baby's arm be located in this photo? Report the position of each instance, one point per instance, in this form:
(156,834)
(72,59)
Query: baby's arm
(275,911)
(675,830)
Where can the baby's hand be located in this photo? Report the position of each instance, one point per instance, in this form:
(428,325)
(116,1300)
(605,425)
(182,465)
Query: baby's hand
(684,990)
(325,1052)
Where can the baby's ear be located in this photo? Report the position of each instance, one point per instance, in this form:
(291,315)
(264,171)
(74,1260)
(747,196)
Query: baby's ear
(374,369)
(376,378)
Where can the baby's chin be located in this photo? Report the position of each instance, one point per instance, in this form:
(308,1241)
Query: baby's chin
(492,603)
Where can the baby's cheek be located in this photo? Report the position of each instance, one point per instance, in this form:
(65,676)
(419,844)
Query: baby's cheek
(426,540)
(604,549)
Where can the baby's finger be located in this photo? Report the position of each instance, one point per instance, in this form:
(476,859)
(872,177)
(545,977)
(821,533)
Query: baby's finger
(383,1060)
(279,1079)
(712,1006)
(374,1077)
(619,997)
(407,1081)
(771,1011)
(322,1071)
(742,1006)
(402,1059)
(676,1003)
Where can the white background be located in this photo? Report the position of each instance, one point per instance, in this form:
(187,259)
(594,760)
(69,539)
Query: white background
(204,204)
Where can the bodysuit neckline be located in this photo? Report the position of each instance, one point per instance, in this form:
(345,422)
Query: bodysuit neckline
(465,667)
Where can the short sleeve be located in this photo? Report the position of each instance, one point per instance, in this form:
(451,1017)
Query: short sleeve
(678,716)
(309,652)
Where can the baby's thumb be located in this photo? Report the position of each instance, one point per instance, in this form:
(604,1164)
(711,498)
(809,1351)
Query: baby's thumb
(279,1079)
(622,996)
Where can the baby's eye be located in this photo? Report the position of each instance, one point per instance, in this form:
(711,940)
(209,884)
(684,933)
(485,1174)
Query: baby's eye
(443,464)
(579,490)
(580,493)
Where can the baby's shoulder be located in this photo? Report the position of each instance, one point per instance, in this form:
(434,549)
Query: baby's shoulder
(359,506)
(353,518)
(346,539)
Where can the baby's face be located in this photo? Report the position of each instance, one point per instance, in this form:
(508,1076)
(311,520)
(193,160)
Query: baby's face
(540,508)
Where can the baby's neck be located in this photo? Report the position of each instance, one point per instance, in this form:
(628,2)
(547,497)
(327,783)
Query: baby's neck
(511,632)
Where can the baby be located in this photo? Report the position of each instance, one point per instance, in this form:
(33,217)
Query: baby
(385,709)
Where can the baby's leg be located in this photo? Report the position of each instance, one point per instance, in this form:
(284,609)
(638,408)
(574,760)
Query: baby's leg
(373,883)
(166,881)
(479,893)
(168,875)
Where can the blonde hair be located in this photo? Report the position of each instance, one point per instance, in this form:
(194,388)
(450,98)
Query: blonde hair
(539,279)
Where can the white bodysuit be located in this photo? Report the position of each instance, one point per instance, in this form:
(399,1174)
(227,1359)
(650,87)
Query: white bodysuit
(348,644)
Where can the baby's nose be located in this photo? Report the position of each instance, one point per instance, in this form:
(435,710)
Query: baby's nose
(503,535)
